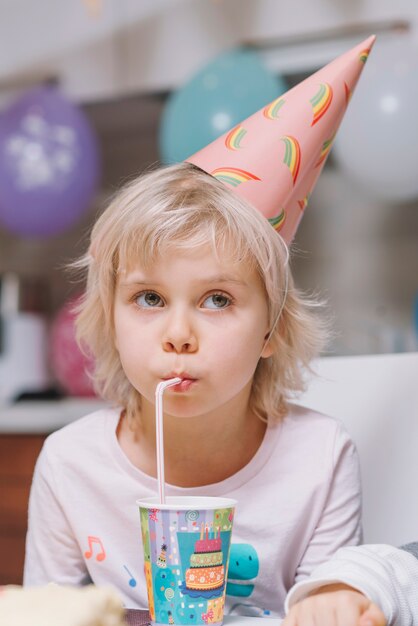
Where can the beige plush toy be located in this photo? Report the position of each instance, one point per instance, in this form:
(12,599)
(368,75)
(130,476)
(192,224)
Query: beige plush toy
(67,606)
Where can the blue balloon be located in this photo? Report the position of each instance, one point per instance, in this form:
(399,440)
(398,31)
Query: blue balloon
(228,90)
(49,164)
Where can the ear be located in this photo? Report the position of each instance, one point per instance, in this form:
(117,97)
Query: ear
(267,351)
(267,348)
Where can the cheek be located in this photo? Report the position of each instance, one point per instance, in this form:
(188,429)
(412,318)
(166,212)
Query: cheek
(126,331)
(135,348)
(239,349)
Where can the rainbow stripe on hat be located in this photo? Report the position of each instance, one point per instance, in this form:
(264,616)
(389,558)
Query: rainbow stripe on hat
(364,55)
(348,93)
(233,175)
(326,147)
(278,221)
(321,102)
(271,111)
(292,155)
(234,138)
(304,203)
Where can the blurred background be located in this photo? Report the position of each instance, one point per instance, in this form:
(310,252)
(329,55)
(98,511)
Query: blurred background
(93,92)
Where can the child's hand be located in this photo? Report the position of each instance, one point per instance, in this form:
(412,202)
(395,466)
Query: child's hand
(335,605)
(372,617)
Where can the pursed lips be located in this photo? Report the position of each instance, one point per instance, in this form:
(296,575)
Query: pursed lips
(182,375)
(186,382)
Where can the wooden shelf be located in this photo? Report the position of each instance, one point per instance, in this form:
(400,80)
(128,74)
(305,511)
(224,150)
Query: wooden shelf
(18,454)
(23,429)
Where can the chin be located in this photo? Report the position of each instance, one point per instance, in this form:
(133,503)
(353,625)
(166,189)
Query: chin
(183,409)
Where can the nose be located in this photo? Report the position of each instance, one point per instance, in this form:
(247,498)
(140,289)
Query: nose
(179,334)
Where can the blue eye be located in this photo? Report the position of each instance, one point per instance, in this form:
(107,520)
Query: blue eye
(218,301)
(148,299)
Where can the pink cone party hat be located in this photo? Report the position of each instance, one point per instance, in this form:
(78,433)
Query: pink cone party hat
(274,158)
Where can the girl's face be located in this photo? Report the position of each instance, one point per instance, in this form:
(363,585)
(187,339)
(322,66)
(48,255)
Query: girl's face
(193,317)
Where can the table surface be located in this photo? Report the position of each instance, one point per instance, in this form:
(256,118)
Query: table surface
(141,618)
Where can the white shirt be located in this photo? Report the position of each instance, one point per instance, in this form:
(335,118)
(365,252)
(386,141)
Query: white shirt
(386,575)
(298,502)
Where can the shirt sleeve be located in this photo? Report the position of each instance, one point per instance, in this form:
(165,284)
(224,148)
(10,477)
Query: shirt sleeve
(52,553)
(339,523)
(386,575)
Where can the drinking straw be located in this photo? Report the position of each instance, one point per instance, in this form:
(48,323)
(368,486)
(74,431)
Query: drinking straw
(159,431)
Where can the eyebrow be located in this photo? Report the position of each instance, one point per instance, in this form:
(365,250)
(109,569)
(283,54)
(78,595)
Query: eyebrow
(222,279)
(138,280)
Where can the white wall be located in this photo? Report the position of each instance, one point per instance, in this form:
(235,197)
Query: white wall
(148,45)
(376,397)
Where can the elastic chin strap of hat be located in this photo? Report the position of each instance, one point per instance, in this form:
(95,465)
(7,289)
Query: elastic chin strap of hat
(286,288)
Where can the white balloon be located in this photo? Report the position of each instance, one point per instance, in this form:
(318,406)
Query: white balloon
(377,144)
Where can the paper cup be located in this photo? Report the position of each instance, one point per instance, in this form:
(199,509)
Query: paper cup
(186,545)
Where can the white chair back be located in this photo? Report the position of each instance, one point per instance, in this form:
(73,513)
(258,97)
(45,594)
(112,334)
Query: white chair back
(376,397)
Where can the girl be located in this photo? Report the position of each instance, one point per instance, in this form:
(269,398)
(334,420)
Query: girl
(184,278)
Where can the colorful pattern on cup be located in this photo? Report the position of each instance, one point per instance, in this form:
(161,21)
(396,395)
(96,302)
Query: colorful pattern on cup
(186,564)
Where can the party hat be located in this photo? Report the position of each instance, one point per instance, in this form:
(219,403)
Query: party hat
(274,158)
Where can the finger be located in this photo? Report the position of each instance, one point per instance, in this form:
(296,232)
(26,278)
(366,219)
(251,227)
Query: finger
(290,619)
(372,617)
(301,615)
(316,612)
(349,608)
(347,615)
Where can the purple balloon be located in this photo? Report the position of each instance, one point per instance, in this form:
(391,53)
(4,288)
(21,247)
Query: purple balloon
(49,164)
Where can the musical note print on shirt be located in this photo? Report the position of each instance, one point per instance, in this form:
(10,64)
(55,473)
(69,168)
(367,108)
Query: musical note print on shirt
(101,554)
(132,581)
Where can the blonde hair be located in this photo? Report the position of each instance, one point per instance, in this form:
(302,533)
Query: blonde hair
(183,207)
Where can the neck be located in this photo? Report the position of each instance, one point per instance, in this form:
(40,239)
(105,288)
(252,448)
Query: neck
(199,450)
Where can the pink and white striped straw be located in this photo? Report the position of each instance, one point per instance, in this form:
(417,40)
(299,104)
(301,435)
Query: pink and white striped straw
(159,431)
